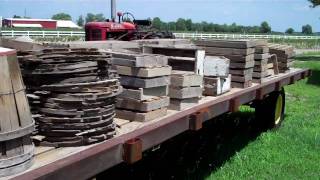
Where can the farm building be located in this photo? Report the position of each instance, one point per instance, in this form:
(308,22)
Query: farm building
(38,23)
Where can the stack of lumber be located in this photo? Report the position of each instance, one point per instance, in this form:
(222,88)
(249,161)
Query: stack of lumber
(16,123)
(263,64)
(285,55)
(217,79)
(241,55)
(185,89)
(145,78)
(76,92)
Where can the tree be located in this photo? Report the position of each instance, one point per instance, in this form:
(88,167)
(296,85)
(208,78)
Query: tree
(189,24)
(314,3)
(181,25)
(156,22)
(100,17)
(95,17)
(16,16)
(265,28)
(61,16)
(289,31)
(80,21)
(307,29)
(172,26)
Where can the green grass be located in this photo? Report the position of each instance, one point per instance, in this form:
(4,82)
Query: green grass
(291,152)
(298,43)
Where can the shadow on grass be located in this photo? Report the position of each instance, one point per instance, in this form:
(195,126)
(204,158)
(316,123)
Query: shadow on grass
(308,58)
(315,78)
(192,155)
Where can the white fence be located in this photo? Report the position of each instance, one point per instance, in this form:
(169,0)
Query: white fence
(14,33)
(42,33)
(239,36)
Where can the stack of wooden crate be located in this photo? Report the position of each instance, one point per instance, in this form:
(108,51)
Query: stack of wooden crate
(185,89)
(217,79)
(145,79)
(241,55)
(285,55)
(76,90)
(263,64)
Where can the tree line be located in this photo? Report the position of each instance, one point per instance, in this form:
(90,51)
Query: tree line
(184,25)
(187,25)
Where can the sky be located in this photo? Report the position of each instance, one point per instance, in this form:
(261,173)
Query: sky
(280,14)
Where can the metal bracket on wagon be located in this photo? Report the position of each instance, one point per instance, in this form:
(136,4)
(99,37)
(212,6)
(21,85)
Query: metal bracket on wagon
(132,151)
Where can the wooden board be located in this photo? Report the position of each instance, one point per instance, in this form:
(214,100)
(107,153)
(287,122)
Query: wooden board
(143,106)
(240,44)
(144,72)
(140,116)
(185,79)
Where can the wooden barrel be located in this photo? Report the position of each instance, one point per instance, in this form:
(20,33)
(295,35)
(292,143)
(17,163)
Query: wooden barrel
(16,123)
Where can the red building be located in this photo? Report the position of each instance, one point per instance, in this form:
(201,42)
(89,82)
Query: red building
(40,23)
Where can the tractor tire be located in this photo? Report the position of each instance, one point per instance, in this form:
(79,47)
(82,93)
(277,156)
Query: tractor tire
(270,111)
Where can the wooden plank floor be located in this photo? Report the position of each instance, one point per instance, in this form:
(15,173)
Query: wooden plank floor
(47,155)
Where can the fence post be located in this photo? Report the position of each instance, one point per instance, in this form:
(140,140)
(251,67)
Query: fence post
(58,33)
(12,33)
(28,32)
(43,35)
(71,33)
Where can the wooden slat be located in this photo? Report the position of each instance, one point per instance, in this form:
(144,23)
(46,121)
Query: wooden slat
(20,97)
(8,111)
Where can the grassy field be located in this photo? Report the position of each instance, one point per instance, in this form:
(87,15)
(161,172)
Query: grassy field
(230,148)
(292,152)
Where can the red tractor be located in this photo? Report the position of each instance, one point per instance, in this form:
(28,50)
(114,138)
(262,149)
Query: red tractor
(126,29)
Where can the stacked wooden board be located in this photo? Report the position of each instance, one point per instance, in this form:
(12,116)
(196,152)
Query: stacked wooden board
(263,64)
(183,57)
(185,89)
(285,55)
(16,123)
(217,79)
(145,78)
(241,55)
(75,92)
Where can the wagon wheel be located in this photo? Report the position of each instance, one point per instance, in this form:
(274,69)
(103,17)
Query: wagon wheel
(270,111)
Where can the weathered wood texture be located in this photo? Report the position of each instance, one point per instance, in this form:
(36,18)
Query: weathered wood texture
(240,53)
(182,104)
(216,66)
(146,78)
(185,79)
(214,86)
(16,123)
(284,55)
(181,57)
(74,94)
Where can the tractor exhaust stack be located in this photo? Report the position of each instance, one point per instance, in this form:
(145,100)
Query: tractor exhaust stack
(113,10)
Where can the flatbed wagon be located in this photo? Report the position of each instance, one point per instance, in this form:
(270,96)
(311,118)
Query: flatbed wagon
(133,138)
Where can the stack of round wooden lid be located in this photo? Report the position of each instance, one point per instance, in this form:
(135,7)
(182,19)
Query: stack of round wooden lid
(74,94)
(16,123)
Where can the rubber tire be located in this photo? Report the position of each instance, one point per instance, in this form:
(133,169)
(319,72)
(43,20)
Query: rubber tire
(265,111)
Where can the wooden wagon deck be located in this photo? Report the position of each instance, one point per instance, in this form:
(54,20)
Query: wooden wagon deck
(87,161)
